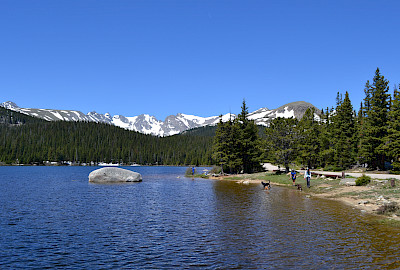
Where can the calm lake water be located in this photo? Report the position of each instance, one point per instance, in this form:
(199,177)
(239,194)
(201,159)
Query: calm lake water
(51,217)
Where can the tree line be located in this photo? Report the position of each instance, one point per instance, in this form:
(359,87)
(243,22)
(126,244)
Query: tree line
(338,138)
(29,140)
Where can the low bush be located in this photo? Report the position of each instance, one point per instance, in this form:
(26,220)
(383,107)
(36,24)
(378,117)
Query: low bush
(387,208)
(189,171)
(363,180)
(215,170)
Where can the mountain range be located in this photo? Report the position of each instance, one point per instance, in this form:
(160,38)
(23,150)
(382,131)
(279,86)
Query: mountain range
(173,124)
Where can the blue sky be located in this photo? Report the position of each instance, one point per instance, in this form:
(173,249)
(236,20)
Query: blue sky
(198,57)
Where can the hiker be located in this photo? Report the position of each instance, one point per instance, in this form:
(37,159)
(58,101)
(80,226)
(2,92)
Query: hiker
(193,170)
(293,175)
(307,176)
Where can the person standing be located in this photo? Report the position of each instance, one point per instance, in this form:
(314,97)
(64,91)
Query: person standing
(307,176)
(293,175)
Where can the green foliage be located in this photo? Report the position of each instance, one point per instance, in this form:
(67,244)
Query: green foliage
(281,141)
(189,171)
(393,139)
(226,146)
(344,134)
(333,168)
(338,141)
(374,123)
(327,150)
(250,150)
(215,170)
(9,118)
(308,148)
(37,140)
(237,144)
(363,180)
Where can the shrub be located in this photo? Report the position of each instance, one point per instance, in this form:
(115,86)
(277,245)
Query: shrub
(363,180)
(216,170)
(388,208)
(189,171)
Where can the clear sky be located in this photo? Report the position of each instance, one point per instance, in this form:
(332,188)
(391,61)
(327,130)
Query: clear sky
(198,57)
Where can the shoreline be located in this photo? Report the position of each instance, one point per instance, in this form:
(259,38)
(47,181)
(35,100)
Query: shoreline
(366,199)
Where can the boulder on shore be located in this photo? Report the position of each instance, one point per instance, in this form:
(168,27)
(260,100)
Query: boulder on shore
(348,181)
(114,175)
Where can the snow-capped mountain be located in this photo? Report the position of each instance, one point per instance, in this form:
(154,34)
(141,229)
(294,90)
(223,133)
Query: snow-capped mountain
(172,124)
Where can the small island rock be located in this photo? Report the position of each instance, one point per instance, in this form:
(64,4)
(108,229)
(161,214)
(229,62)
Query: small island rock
(114,175)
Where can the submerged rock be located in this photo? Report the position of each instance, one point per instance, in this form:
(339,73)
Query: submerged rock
(114,175)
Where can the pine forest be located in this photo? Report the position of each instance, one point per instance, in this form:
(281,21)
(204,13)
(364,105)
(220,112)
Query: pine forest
(338,138)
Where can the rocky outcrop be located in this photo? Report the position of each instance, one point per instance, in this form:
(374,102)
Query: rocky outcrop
(114,175)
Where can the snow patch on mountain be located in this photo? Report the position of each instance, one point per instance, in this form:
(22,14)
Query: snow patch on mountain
(173,124)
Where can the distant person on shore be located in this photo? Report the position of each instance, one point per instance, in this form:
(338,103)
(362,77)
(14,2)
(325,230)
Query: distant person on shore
(193,170)
(307,176)
(293,176)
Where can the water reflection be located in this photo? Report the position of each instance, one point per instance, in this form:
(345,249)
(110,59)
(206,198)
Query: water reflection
(282,228)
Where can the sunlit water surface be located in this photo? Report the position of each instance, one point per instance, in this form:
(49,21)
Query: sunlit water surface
(51,217)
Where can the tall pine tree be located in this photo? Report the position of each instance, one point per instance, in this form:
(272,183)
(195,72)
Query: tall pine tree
(344,133)
(237,144)
(281,141)
(250,150)
(374,126)
(309,143)
(325,138)
(393,138)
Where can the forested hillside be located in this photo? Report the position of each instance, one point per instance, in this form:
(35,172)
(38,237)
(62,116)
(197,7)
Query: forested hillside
(29,140)
(8,117)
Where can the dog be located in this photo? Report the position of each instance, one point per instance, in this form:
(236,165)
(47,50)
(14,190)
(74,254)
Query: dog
(299,187)
(266,185)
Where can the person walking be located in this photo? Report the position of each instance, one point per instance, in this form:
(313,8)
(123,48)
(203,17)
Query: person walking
(293,175)
(307,176)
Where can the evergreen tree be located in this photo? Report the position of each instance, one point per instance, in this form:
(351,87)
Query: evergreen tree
(308,143)
(249,142)
(237,144)
(344,133)
(31,140)
(393,138)
(281,141)
(325,138)
(226,147)
(374,126)
(219,144)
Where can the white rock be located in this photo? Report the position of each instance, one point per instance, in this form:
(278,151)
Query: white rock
(114,175)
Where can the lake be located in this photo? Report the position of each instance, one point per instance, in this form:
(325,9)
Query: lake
(51,217)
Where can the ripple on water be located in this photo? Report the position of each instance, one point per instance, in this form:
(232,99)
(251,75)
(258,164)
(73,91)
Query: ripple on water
(165,222)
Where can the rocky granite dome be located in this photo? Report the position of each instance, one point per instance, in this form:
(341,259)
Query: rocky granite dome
(172,124)
(114,175)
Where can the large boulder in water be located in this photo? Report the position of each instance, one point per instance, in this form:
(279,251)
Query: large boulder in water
(114,175)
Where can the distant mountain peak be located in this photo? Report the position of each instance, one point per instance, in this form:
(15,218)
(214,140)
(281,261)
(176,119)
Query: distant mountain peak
(9,105)
(173,124)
